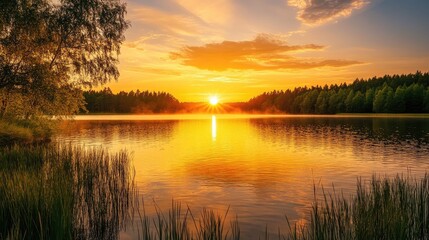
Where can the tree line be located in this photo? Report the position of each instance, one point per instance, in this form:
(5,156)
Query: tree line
(389,94)
(104,101)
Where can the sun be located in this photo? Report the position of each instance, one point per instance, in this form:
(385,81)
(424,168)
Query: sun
(213,100)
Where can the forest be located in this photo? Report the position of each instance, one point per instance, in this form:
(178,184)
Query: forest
(389,94)
(105,101)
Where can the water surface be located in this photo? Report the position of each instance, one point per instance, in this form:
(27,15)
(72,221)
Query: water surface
(262,166)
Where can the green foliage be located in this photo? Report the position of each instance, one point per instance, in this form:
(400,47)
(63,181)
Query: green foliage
(388,94)
(322,102)
(10,133)
(309,101)
(369,99)
(63,192)
(175,224)
(358,103)
(25,131)
(383,208)
(105,101)
(50,49)
(379,100)
(426,101)
(349,101)
(396,208)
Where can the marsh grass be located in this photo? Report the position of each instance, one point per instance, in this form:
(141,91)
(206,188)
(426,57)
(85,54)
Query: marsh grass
(179,224)
(63,192)
(384,208)
(13,131)
(69,192)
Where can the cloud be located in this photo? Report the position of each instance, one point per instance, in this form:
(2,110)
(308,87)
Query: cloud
(137,44)
(314,12)
(213,11)
(169,23)
(265,52)
(155,43)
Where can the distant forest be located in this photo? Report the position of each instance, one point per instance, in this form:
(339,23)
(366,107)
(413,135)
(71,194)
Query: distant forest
(388,94)
(105,101)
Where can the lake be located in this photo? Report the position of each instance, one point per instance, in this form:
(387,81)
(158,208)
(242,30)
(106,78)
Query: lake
(261,166)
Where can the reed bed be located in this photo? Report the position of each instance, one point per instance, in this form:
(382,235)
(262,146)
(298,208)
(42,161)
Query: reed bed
(384,208)
(63,192)
(70,192)
(178,224)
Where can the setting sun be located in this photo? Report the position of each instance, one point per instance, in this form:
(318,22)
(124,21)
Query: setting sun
(213,100)
(231,109)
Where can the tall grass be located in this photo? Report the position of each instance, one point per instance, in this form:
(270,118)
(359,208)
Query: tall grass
(10,133)
(63,192)
(384,208)
(21,131)
(176,224)
(70,192)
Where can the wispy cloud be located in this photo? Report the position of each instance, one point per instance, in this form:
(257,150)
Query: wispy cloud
(212,12)
(167,22)
(155,43)
(265,52)
(313,12)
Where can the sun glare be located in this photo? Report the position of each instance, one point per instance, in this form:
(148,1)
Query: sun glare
(213,100)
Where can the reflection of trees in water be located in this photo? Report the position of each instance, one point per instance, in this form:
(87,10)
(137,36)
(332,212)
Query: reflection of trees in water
(111,131)
(259,193)
(405,133)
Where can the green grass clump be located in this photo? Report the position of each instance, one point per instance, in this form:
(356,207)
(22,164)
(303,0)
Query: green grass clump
(176,224)
(63,192)
(21,131)
(386,208)
(10,133)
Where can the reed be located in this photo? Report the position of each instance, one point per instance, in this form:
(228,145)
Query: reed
(176,224)
(69,192)
(384,208)
(63,192)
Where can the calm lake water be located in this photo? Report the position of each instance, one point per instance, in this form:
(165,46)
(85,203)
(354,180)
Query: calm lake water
(262,166)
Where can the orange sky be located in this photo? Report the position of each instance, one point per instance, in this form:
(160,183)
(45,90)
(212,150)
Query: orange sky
(237,49)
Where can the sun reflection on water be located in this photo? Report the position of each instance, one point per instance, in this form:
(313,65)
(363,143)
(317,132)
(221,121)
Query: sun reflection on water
(261,166)
(214,130)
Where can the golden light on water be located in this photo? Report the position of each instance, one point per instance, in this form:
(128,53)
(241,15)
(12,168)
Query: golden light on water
(260,164)
(214,130)
(213,100)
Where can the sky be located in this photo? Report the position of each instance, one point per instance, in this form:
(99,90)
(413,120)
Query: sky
(237,49)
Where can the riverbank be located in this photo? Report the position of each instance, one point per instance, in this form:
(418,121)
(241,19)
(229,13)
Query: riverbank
(24,131)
